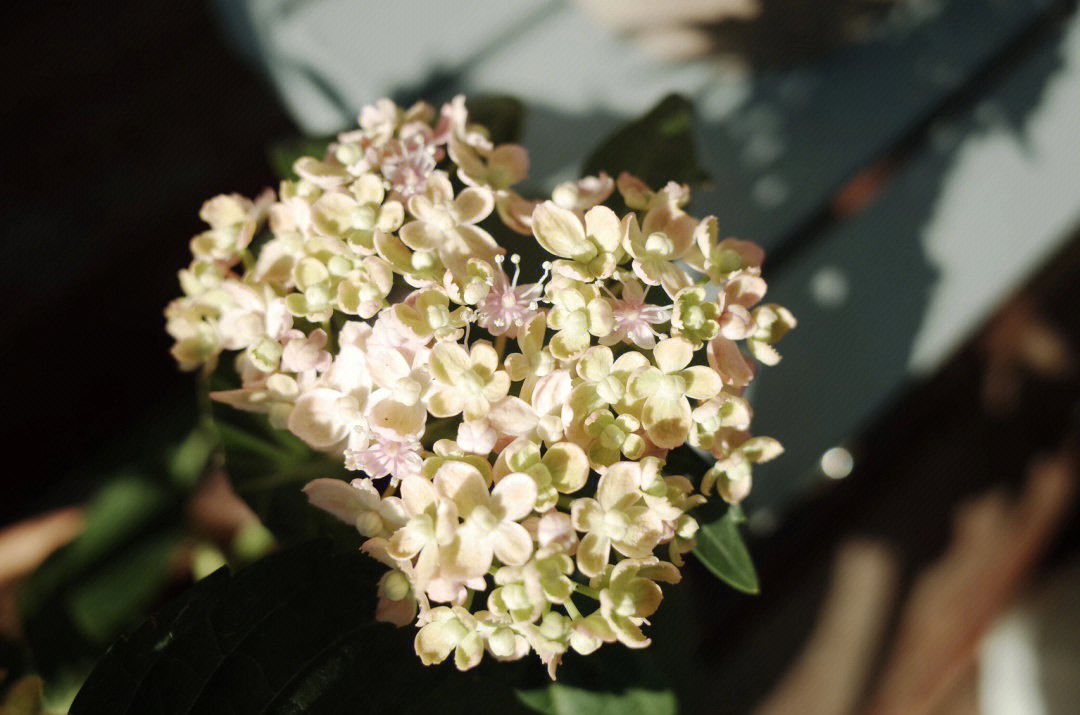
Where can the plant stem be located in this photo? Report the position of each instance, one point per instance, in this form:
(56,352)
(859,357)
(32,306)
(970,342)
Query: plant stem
(586,591)
(571,609)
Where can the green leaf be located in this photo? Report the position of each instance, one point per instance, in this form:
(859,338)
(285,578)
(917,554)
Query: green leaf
(657,148)
(100,584)
(721,548)
(559,699)
(292,633)
(503,115)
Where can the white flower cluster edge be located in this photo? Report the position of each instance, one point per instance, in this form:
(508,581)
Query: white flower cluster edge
(519,431)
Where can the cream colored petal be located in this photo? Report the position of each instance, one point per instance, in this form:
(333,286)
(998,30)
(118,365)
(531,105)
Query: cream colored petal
(560,232)
(593,554)
(586,514)
(514,496)
(316,420)
(673,354)
(595,364)
(484,355)
(369,189)
(726,358)
(422,236)
(392,249)
(701,382)
(673,279)
(398,418)
(761,449)
(467,556)
(435,641)
(463,484)
(469,652)
(518,366)
(446,402)
(498,387)
(512,544)
(706,234)
(512,416)
(644,383)
(332,213)
(629,363)
(601,319)
(569,466)
(513,159)
(531,335)
(408,541)
(602,225)
(391,216)
(474,204)
(620,482)
(449,362)
(667,419)
(439,189)
(386,366)
(417,494)
(567,344)
(336,497)
(643,535)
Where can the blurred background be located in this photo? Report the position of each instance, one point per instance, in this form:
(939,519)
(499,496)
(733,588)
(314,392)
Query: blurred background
(911,166)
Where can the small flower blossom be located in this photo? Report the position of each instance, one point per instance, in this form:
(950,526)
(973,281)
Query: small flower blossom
(577,313)
(695,318)
(489,526)
(498,168)
(467,382)
(665,236)
(447,225)
(519,432)
(634,318)
(508,306)
(614,519)
(450,630)
(632,596)
(388,454)
(588,250)
(428,315)
(665,389)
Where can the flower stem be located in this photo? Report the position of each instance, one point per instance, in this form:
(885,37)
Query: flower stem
(571,609)
(586,591)
(500,345)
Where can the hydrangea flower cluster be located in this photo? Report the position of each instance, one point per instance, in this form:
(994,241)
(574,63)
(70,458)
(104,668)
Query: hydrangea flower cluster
(511,436)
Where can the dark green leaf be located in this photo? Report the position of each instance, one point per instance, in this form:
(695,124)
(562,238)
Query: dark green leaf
(721,548)
(614,679)
(293,633)
(504,116)
(557,699)
(100,584)
(657,148)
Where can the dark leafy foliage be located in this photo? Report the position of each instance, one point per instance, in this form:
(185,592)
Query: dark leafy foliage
(721,548)
(293,633)
(657,148)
